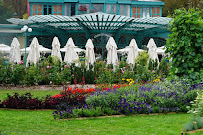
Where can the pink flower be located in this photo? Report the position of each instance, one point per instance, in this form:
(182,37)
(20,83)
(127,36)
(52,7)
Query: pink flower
(124,67)
(50,82)
(148,71)
(153,71)
(65,66)
(104,61)
(42,74)
(104,68)
(20,62)
(47,66)
(122,71)
(112,69)
(68,82)
(72,74)
(138,64)
(49,73)
(25,69)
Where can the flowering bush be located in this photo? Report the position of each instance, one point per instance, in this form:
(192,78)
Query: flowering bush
(26,101)
(72,97)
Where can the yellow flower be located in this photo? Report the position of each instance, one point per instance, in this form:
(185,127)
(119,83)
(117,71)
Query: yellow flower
(132,81)
(123,79)
(128,80)
(159,77)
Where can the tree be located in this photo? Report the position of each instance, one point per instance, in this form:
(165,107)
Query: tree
(5,12)
(171,5)
(19,6)
(185,44)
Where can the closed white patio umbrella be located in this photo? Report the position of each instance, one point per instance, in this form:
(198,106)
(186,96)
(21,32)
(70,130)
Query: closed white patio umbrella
(34,54)
(5,48)
(56,48)
(70,54)
(41,49)
(112,57)
(152,50)
(15,51)
(90,56)
(133,52)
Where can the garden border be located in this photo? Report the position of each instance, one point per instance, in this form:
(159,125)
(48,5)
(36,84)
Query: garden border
(192,132)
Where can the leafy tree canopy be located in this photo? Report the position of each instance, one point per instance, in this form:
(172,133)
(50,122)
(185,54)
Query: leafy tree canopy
(6,12)
(185,44)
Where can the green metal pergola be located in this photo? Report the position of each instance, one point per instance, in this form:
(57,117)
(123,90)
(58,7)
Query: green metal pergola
(97,26)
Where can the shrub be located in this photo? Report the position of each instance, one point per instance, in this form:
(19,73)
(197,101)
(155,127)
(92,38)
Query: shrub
(185,44)
(194,124)
(197,105)
(26,101)
(160,97)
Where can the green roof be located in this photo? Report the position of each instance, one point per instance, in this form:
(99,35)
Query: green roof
(93,22)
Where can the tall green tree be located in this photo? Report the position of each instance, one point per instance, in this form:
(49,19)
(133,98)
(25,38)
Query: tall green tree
(185,44)
(171,5)
(19,6)
(5,12)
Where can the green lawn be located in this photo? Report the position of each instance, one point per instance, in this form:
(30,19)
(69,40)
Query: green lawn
(42,123)
(35,93)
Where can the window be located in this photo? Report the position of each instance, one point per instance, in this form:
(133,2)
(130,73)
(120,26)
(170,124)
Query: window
(72,9)
(125,10)
(36,9)
(97,7)
(155,11)
(84,8)
(57,10)
(111,8)
(47,10)
(146,13)
(136,12)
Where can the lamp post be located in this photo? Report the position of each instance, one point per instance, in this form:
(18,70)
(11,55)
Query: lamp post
(25,29)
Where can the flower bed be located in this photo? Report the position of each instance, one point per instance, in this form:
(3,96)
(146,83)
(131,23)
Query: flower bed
(158,98)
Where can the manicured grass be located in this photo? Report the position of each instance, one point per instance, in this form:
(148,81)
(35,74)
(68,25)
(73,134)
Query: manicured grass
(35,93)
(42,122)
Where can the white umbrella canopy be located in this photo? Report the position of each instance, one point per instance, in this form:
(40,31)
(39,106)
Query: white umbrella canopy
(15,51)
(34,54)
(70,54)
(90,56)
(126,50)
(111,47)
(152,50)
(5,48)
(133,52)
(56,48)
(76,49)
(41,49)
(161,50)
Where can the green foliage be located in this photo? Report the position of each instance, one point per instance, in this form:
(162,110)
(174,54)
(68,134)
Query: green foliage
(6,12)
(25,16)
(185,44)
(197,105)
(194,124)
(18,75)
(142,58)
